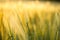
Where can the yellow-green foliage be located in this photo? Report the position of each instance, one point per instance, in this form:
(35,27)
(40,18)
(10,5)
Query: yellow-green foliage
(29,22)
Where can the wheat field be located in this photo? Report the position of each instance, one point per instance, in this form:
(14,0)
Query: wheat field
(29,21)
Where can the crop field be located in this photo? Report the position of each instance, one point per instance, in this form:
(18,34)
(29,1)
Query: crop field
(29,21)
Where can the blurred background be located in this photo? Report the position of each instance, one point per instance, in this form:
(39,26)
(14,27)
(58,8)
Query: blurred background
(29,0)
